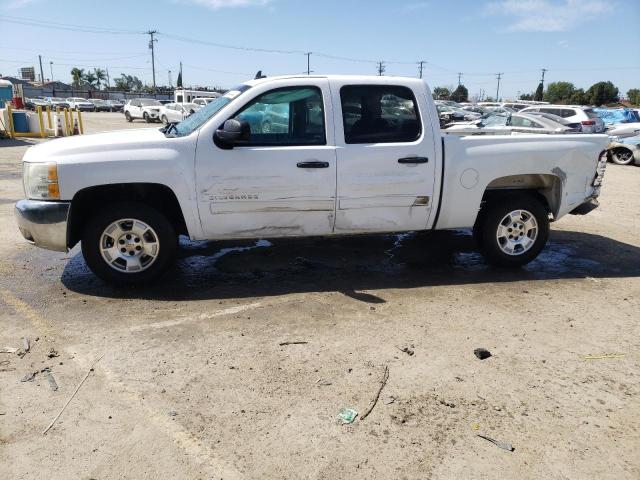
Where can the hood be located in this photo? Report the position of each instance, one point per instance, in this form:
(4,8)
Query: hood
(67,148)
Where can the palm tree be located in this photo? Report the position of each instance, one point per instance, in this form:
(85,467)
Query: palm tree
(77,74)
(90,78)
(100,76)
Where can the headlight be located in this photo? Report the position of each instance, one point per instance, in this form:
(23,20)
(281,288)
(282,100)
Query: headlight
(41,181)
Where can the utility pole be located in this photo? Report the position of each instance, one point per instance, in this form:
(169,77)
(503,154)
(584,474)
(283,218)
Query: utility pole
(381,68)
(308,54)
(153,60)
(544,70)
(421,63)
(108,82)
(170,79)
(459,76)
(498,76)
(51,69)
(41,73)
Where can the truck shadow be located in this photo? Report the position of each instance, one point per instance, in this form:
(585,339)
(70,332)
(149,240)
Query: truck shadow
(216,270)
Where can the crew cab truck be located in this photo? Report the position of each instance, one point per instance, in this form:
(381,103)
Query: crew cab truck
(351,155)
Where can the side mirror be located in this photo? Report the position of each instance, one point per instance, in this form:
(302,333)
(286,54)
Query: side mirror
(233,132)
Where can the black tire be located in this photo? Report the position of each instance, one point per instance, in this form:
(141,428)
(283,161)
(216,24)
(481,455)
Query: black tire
(127,115)
(92,235)
(146,117)
(622,156)
(489,221)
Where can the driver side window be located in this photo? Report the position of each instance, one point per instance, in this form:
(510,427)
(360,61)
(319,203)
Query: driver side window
(285,116)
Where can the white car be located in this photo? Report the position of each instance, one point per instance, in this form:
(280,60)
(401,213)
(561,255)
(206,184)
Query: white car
(202,101)
(176,112)
(341,165)
(81,104)
(590,122)
(504,124)
(147,109)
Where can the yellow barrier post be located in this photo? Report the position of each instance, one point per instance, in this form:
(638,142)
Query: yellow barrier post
(71,121)
(49,117)
(40,120)
(66,122)
(12,133)
(80,122)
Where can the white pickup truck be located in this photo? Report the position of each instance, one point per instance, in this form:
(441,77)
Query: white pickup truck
(344,155)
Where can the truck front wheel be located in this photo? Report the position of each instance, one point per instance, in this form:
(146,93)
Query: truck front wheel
(513,230)
(129,243)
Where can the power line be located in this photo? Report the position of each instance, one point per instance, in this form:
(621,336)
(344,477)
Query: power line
(65,26)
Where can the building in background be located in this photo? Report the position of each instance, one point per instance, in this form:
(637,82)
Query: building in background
(28,73)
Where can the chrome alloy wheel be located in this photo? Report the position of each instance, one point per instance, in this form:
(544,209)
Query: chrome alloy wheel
(129,245)
(517,232)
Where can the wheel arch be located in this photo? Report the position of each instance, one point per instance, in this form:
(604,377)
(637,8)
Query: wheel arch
(545,187)
(90,199)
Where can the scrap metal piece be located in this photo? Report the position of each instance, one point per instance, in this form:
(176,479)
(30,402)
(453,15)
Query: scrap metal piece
(52,381)
(502,445)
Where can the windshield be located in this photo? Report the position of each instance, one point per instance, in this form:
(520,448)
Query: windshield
(148,102)
(197,119)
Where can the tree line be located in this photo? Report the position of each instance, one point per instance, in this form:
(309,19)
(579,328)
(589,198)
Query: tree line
(600,93)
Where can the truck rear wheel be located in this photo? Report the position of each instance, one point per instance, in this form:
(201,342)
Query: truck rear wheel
(129,243)
(128,116)
(513,230)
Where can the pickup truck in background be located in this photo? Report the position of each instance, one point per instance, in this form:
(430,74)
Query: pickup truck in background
(350,155)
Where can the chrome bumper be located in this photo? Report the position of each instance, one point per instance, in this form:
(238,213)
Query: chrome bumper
(44,223)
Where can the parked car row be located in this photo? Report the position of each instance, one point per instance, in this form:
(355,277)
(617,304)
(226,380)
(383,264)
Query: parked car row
(76,103)
(164,111)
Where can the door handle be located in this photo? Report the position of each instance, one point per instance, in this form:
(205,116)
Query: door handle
(413,160)
(313,164)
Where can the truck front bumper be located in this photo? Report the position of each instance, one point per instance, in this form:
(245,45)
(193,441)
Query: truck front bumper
(44,224)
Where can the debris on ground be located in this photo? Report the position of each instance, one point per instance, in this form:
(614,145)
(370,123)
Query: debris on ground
(296,342)
(25,344)
(603,356)
(482,353)
(72,395)
(447,404)
(8,350)
(407,350)
(475,426)
(323,383)
(383,382)
(49,376)
(502,445)
(29,377)
(52,353)
(172,413)
(388,399)
(347,415)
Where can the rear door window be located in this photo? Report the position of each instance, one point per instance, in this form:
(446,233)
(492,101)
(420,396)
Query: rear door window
(379,114)
(567,112)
